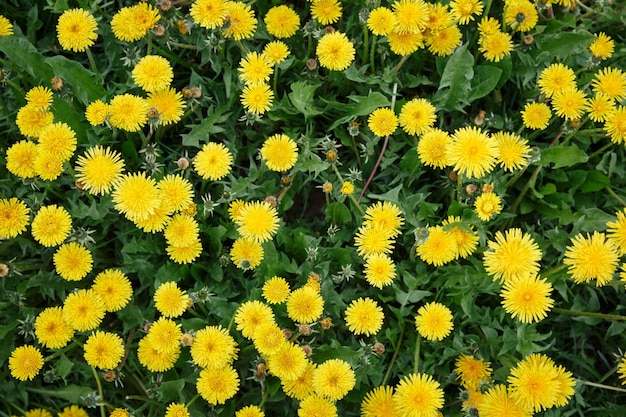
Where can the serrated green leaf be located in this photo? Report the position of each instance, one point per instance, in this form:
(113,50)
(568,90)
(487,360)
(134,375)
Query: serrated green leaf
(360,106)
(24,57)
(455,84)
(200,133)
(70,393)
(84,84)
(302,98)
(561,45)
(392,195)
(485,81)
(563,156)
(171,390)
(338,213)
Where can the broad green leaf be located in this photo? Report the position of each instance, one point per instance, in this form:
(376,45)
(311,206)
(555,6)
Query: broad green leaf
(24,57)
(455,84)
(595,181)
(562,44)
(485,81)
(563,156)
(360,106)
(70,393)
(392,195)
(338,213)
(302,98)
(84,84)
(63,366)
(200,133)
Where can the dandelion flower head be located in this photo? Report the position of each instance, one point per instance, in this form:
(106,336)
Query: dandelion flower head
(305,305)
(465,10)
(13,217)
(386,216)
(72,261)
(522,15)
(382,121)
(591,258)
(333,379)
(495,46)
(76,30)
(511,255)
(326,12)
(6,27)
(602,47)
(132,23)
(433,148)
(472,153)
(164,335)
(209,14)
(487,205)
(418,395)
(279,152)
(536,115)
(213,347)
(103,350)
(533,382)
(442,42)
(440,247)
(83,310)
(51,329)
(554,78)
(213,162)
(335,51)
(114,288)
(25,362)
(466,238)
(411,15)
(364,316)
(169,105)
(610,82)
(250,315)
(97,112)
(257,99)
(136,195)
(241,21)
(51,225)
(527,298)
(417,116)
(378,402)
(472,371)
(258,220)
(275,52)
(254,69)
(216,385)
(288,362)
(39,96)
(246,253)
(281,21)
(276,290)
(380,270)
(170,300)
(20,159)
(128,112)
(31,120)
(381,21)
(434,321)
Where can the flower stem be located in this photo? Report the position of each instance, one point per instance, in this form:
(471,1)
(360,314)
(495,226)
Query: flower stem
(554,270)
(372,53)
(192,400)
(366,45)
(92,63)
(402,61)
(395,354)
(416,355)
(350,196)
(618,198)
(100,392)
(588,314)
(601,150)
(595,384)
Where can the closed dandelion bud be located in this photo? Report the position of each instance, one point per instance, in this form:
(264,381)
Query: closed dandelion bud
(331,155)
(311,64)
(110,375)
(165,5)
(470,189)
(453,176)
(182,27)
(378,349)
(308,350)
(574,123)
(4,270)
(153,113)
(528,39)
(261,372)
(186,93)
(183,163)
(535,155)
(327,187)
(159,30)
(315,276)
(196,92)
(364,14)
(287,333)
(326,323)
(304,329)
(186,339)
(147,326)
(286,180)
(479,120)
(272,201)
(464,396)
(484,387)
(421,235)
(57,84)
(488,188)
(329,29)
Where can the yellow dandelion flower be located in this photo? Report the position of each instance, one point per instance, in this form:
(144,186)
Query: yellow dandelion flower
(216,385)
(569,103)
(39,96)
(37,412)
(73,411)
(305,305)
(170,300)
(335,51)
(405,43)
(621,369)
(443,42)
(495,46)
(153,73)
(31,120)
(72,261)
(602,47)
(381,21)
(333,379)
(497,402)
(184,254)
(380,270)
(98,169)
(275,52)
(276,290)
(155,360)
(21,158)
(51,329)
(555,78)
(76,30)
(347,188)
(386,216)
(512,150)
(533,382)
(536,115)
(114,289)
(488,26)
(527,298)
(25,362)
(213,348)
(176,191)
(433,148)
(465,10)
(616,232)
(279,152)
(83,310)
(13,217)
(168,103)
(246,253)
(254,69)
(302,386)
(241,21)
(382,121)
(156,221)
(213,162)
(610,82)
(250,411)
(411,15)
(599,107)
(521,15)
(287,362)
(378,402)
(472,153)
(512,254)
(130,24)
(371,240)
(440,247)
(181,230)
(472,371)
(250,315)
(591,257)
(136,195)
(128,112)
(257,221)
(257,99)
(326,12)
(97,112)
(282,21)
(164,335)
(209,14)
(48,165)
(51,225)
(176,410)
(235,207)
(465,236)
(364,316)
(103,350)
(434,321)
(417,116)
(615,125)
(268,338)
(418,395)
(487,205)
(438,17)
(6,27)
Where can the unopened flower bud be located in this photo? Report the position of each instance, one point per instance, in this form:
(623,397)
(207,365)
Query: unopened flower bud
(326,323)
(378,348)
(308,350)
(153,113)
(528,39)
(165,5)
(186,93)
(272,201)
(196,92)
(304,329)
(488,188)
(110,375)
(285,180)
(186,339)
(183,163)
(470,189)
(287,333)
(57,84)
(182,27)
(4,270)
(479,120)
(453,176)
(159,30)
(311,64)
(147,326)
(327,187)
(331,155)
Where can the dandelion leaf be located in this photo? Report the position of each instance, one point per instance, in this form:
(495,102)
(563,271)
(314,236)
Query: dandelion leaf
(456,81)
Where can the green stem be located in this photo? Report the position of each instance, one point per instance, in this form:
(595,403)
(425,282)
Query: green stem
(309,46)
(588,314)
(61,351)
(402,61)
(372,55)
(618,198)
(595,384)
(92,63)
(601,150)
(395,354)
(275,79)
(554,270)
(100,392)
(149,42)
(416,355)
(350,196)
(459,187)
(366,45)
(182,45)
(192,400)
